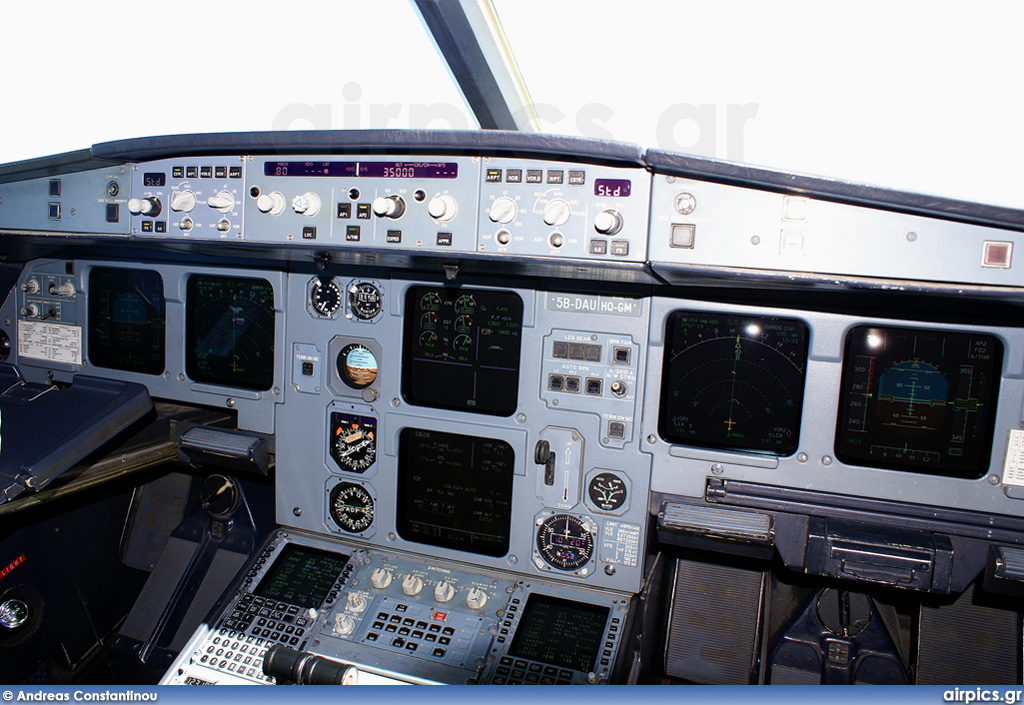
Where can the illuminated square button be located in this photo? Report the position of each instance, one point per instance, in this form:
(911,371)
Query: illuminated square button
(996,254)
(791,242)
(682,235)
(794,209)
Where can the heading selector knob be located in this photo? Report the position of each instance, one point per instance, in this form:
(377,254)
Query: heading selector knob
(557,212)
(183,201)
(272,203)
(308,204)
(504,210)
(223,201)
(388,206)
(608,222)
(145,206)
(442,208)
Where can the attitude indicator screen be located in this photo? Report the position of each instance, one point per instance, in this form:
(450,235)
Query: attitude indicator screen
(919,400)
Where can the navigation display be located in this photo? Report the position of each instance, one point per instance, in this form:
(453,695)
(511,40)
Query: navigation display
(733,382)
(301,576)
(562,633)
(229,331)
(455,491)
(127,316)
(461,349)
(919,400)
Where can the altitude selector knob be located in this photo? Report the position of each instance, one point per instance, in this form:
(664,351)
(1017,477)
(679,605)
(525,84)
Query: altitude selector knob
(380,578)
(557,212)
(444,592)
(183,201)
(388,207)
(504,210)
(476,598)
(442,208)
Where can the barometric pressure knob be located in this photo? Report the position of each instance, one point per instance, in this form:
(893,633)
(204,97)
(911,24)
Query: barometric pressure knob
(504,210)
(557,212)
(183,201)
(388,207)
(308,204)
(608,222)
(272,203)
(443,591)
(412,585)
(380,578)
(145,206)
(223,201)
(442,208)
(476,598)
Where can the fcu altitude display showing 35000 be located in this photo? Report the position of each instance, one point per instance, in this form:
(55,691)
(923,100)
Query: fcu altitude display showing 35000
(733,382)
(919,400)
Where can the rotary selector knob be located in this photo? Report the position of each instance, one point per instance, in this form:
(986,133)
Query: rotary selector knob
(13,613)
(556,240)
(557,212)
(31,311)
(183,201)
(442,208)
(443,591)
(145,206)
(223,225)
(504,210)
(186,224)
(344,624)
(223,201)
(476,598)
(67,289)
(412,584)
(356,602)
(272,203)
(380,578)
(608,222)
(30,287)
(308,204)
(388,206)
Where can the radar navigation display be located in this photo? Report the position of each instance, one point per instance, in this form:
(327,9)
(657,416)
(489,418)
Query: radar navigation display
(733,382)
(919,400)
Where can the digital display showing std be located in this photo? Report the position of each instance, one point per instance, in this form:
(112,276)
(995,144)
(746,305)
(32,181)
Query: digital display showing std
(151,179)
(619,188)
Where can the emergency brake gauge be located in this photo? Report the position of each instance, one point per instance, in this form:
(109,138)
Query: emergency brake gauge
(566,541)
(607,491)
(351,507)
(353,441)
(325,297)
(365,301)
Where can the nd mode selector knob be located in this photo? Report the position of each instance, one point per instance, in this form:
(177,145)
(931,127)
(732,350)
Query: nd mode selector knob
(183,201)
(388,206)
(557,212)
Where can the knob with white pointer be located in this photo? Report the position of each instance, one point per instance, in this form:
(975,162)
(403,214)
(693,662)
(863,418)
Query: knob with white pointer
(308,204)
(271,203)
(380,578)
(183,201)
(476,598)
(608,222)
(223,201)
(442,208)
(356,602)
(344,624)
(145,206)
(388,206)
(504,210)
(557,212)
(443,591)
(412,584)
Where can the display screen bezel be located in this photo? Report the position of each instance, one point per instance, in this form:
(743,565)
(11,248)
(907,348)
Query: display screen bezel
(556,649)
(310,599)
(104,350)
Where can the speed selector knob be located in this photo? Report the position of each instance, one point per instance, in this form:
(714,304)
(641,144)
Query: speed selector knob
(608,222)
(442,208)
(476,598)
(223,201)
(308,204)
(380,578)
(389,206)
(183,201)
(557,212)
(145,206)
(443,591)
(504,210)
(272,203)
(412,584)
